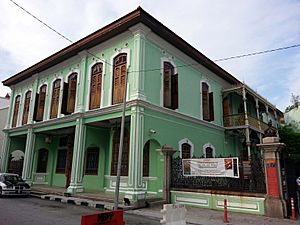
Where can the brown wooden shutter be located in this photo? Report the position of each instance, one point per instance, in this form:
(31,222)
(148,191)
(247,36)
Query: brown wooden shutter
(36,106)
(205,107)
(16,111)
(146,159)
(65,99)
(26,107)
(95,86)
(55,99)
(119,78)
(174,91)
(211,107)
(167,88)
(72,93)
(41,103)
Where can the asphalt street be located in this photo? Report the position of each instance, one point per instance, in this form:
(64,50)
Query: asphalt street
(35,211)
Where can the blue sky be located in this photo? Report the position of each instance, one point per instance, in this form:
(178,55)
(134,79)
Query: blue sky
(217,28)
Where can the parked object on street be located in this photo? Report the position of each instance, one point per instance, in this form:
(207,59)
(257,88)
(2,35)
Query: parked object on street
(173,214)
(114,217)
(13,184)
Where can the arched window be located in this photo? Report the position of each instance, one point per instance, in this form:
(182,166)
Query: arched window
(16,111)
(42,161)
(186,151)
(26,107)
(207,103)
(55,98)
(209,150)
(170,87)
(70,89)
(92,161)
(115,153)
(119,78)
(95,86)
(146,159)
(40,105)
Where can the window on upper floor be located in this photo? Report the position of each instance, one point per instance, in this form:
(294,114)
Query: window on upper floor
(69,95)
(16,111)
(40,103)
(26,107)
(95,86)
(170,87)
(207,102)
(119,78)
(55,98)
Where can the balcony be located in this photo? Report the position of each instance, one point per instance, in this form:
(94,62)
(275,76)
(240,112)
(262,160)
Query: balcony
(238,120)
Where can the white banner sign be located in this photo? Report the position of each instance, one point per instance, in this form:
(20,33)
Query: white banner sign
(211,167)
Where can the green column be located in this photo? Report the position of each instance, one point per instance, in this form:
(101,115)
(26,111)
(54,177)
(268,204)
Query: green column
(81,96)
(5,153)
(11,107)
(135,190)
(78,158)
(28,157)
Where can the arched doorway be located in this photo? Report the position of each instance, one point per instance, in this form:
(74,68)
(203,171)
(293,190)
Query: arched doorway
(15,162)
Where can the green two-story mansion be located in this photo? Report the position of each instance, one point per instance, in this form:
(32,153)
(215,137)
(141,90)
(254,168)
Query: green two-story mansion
(63,126)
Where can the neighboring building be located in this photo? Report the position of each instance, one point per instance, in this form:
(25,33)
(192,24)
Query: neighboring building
(292,116)
(66,110)
(4,105)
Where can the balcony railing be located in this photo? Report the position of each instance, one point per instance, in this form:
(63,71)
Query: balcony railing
(237,120)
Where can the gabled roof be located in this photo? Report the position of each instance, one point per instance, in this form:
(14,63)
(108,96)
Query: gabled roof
(113,29)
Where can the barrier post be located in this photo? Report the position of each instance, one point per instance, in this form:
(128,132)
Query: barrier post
(293,209)
(225,220)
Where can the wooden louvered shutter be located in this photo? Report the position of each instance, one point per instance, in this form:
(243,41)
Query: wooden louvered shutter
(211,107)
(119,78)
(205,102)
(55,99)
(65,99)
(174,91)
(95,87)
(72,93)
(41,103)
(26,107)
(16,111)
(146,159)
(167,86)
(36,106)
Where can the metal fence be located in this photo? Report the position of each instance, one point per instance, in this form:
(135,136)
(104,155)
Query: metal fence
(255,182)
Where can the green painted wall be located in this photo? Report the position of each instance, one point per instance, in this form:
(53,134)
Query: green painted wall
(99,138)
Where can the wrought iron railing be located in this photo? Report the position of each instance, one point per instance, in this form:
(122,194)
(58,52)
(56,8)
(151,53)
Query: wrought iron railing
(254,183)
(237,120)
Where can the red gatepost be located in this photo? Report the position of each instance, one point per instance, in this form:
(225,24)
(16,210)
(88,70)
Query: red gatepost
(114,217)
(225,220)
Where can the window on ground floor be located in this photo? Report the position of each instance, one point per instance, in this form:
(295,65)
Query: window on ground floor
(42,161)
(92,161)
(61,161)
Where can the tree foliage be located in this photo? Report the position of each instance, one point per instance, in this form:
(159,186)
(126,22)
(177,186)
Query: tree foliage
(291,138)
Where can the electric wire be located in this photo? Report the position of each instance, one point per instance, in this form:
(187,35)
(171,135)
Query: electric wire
(159,69)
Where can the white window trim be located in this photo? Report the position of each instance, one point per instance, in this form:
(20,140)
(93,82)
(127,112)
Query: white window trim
(60,96)
(162,60)
(89,83)
(19,110)
(185,141)
(210,146)
(119,51)
(209,90)
(77,86)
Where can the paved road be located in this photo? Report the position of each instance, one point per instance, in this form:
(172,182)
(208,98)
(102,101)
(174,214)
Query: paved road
(34,211)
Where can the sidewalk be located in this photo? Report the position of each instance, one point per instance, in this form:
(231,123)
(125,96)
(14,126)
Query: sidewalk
(213,217)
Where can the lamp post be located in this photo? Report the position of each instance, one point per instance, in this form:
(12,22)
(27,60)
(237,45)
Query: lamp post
(117,189)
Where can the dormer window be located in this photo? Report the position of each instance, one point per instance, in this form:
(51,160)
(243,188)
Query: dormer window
(170,86)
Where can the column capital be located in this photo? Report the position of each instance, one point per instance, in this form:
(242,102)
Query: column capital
(167,150)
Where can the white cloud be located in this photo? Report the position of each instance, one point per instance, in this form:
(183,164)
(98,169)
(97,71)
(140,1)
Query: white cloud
(216,28)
